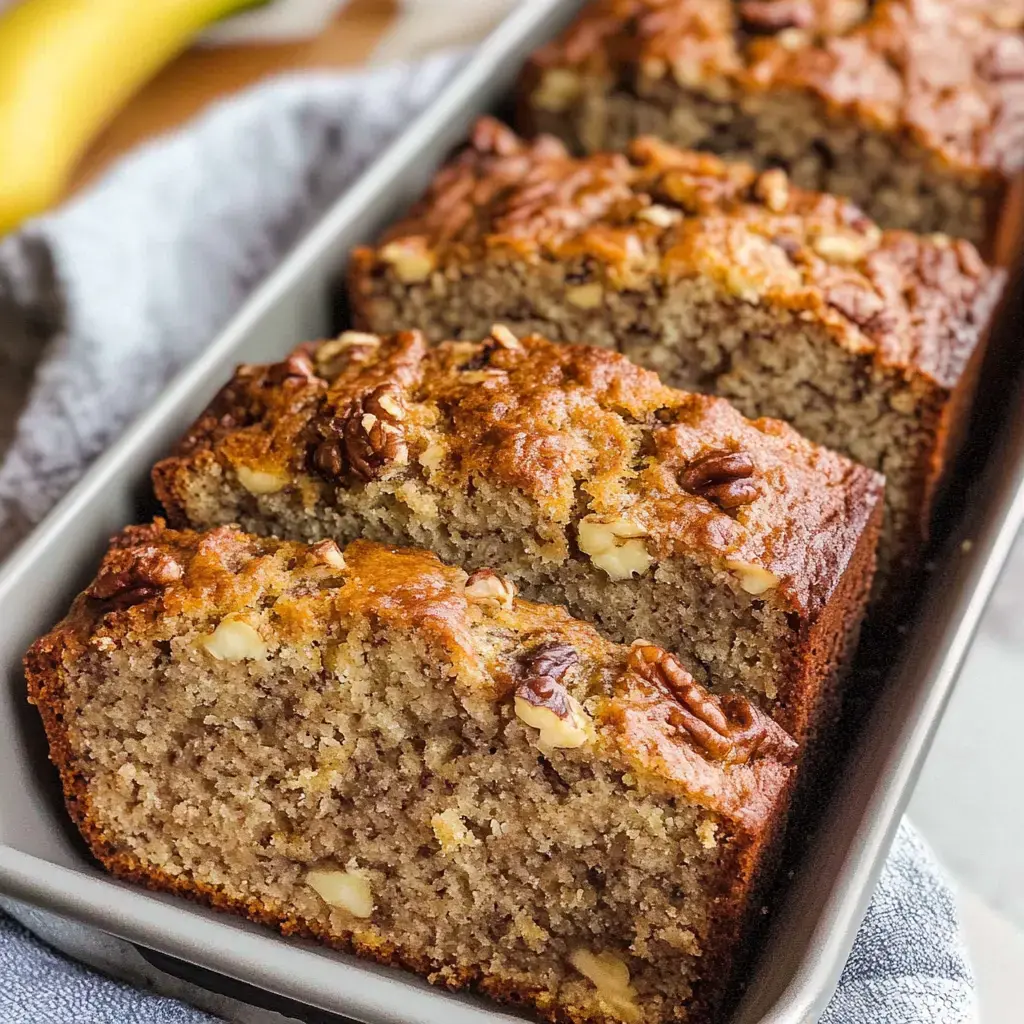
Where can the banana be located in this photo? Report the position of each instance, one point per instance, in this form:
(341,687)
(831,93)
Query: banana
(66,66)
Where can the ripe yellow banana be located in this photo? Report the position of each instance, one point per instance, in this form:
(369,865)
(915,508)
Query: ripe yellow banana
(66,66)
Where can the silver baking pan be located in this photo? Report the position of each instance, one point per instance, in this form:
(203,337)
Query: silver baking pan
(838,855)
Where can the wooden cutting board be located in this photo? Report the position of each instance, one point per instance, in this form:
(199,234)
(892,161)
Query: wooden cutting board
(202,75)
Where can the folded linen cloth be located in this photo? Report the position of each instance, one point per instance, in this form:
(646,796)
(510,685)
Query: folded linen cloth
(102,301)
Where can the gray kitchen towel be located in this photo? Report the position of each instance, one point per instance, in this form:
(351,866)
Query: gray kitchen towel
(103,300)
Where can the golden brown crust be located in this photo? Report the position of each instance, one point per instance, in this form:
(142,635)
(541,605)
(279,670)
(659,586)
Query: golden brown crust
(574,430)
(726,756)
(153,576)
(658,214)
(946,73)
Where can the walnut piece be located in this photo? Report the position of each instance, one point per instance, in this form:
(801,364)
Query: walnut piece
(500,338)
(345,890)
(130,576)
(722,477)
(858,302)
(261,481)
(505,338)
(559,88)
(234,640)
(614,544)
(610,976)
(332,355)
(490,592)
(553,659)
(432,457)
(366,439)
(585,296)
(839,248)
(729,729)
(772,188)
(298,368)
(555,713)
(771,16)
(543,703)
(659,216)
(328,553)
(412,261)
(753,578)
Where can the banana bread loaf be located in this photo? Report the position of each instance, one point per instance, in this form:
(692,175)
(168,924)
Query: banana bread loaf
(653,513)
(791,304)
(910,107)
(373,750)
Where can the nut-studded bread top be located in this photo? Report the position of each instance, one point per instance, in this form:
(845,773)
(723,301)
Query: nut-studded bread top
(605,458)
(947,73)
(658,214)
(243,598)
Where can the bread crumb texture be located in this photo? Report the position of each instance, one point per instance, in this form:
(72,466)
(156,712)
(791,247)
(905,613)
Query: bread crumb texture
(575,475)
(354,765)
(910,106)
(791,304)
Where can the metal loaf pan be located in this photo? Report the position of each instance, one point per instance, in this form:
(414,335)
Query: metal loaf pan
(42,861)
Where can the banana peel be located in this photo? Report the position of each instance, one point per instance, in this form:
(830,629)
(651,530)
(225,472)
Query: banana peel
(66,67)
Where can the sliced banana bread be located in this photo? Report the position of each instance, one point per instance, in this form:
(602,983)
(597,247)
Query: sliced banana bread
(654,513)
(913,108)
(373,750)
(792,304)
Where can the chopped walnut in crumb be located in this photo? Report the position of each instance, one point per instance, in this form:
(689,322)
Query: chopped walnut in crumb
(842,248)
(610,976)
(543,703)
(234,639)
(557,91)
(411,259)
(505,338)
(347,890)
(659,216)
(555,713)
(432,457)
(754,579)
(490,592)
(261,481)
(585,296)
(328,553)
(772,188)
(614,544)
(706,831)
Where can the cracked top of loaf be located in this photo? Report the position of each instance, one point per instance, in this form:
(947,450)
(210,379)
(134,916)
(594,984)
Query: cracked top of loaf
(237,597)
(658,213)
(947,73)
(597,452)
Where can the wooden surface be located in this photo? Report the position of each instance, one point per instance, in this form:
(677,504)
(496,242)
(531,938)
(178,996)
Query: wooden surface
(203,75)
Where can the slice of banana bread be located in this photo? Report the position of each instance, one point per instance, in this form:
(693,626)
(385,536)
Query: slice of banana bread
(371,749)
(654,513)
(910,107)
(791,304)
